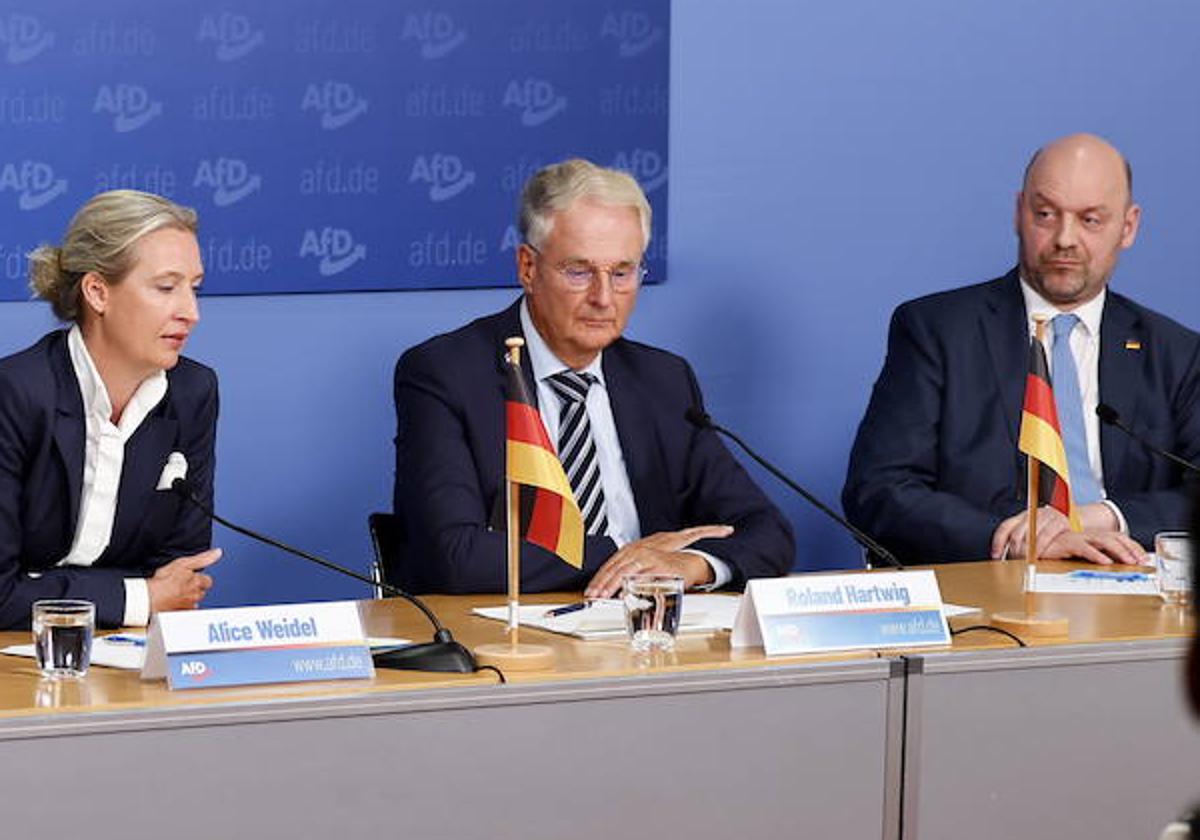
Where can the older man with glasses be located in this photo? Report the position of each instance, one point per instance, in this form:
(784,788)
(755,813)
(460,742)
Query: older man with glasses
(656,494)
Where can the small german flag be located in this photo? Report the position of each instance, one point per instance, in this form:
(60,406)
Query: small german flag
(549,515)
(1041,437)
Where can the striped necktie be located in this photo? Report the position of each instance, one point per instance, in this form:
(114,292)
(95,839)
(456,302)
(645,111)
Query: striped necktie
(577,448)
(1069,402)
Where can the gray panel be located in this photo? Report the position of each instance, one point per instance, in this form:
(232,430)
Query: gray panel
(804,759)
(1083,742)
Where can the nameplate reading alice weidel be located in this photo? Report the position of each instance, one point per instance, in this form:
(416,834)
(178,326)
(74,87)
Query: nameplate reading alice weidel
(818,613)
(249,645)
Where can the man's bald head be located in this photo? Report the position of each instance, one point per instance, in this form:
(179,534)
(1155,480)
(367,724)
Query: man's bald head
(1085,145)
(1075,214)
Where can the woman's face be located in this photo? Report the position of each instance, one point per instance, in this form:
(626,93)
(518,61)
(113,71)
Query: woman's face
(145,319)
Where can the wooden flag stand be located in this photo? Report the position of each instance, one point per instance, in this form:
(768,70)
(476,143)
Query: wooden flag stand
(1032,622)
(513,655)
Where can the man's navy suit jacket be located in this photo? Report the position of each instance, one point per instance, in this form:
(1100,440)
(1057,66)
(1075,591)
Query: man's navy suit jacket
(935,466)
(42,439)
(450,395)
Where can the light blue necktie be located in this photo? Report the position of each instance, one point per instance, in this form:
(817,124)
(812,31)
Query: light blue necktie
(1084,489)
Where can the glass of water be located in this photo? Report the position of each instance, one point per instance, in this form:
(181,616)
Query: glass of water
(653,605)
(62,636)
(1173,560)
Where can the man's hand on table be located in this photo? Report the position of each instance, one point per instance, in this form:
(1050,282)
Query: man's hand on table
(1099,542)
(661,554)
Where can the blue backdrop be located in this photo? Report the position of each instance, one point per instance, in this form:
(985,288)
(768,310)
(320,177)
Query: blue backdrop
(828,160)
(330,145)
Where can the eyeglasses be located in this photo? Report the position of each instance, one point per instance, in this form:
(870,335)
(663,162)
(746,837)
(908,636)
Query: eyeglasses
(580,274)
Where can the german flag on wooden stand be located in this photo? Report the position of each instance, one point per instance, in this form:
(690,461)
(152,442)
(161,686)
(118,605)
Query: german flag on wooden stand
(539,508)
(1041,437)
(549,515)
(1049,483)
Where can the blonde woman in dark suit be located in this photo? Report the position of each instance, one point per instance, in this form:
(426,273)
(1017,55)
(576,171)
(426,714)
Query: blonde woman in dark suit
(97,420)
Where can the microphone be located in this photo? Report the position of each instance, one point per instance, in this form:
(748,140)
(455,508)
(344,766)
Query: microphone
(442,654)
(702,420)
(1109,416)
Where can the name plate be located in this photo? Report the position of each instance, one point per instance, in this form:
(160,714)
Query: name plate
(252,645)
(817,613)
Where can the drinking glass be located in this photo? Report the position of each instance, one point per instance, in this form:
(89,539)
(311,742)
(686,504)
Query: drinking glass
(1173,560)
(653,605)
(62,636)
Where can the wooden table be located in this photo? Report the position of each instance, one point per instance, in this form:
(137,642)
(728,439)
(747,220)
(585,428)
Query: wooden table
(703,742)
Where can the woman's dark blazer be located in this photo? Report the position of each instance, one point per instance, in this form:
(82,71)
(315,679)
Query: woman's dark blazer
(42,437)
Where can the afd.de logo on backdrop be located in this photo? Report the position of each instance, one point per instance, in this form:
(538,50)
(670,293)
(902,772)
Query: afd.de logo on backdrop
(646,165)
(445,174)
(24,38)
(535,99)
(34,182)
(230,179)
(436,33)
(335,247)
(232,35)
(633,31)
(130,105)
(336,102)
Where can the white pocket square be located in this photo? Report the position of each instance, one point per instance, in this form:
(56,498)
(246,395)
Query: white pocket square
(176,467)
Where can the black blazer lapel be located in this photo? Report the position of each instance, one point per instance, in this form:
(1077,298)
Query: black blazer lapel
(69,425)
(638,433)
(1004,328)
(1005,332)
(1122,346)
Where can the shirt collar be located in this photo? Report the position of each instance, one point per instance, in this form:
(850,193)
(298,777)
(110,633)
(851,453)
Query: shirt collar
(542,359)
(91,386)
(1089,313)
(96,401)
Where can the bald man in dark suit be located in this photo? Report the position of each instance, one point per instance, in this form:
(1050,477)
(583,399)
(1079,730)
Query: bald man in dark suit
(935,473)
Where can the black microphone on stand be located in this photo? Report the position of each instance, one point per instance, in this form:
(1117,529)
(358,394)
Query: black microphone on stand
(1109,416)
(442,654)
(702,420)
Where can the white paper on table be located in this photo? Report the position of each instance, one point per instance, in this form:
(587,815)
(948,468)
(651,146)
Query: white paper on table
(1094,583)
(605,619)
(954,610)
(124,655)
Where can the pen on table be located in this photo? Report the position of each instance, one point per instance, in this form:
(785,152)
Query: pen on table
(120,639)
(569,608)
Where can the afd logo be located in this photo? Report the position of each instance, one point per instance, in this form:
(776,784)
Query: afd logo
(233,34)
(435,32)
(535,99)
(196,669)
(336,248)
(336,102)
(24,38)
(33,182)
(445,175)
(633,31)
(130,105)
(510,239)
(230,179)
(646,165)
